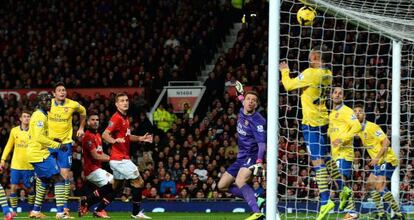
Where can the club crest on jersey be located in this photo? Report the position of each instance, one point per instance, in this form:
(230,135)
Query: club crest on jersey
(378,133)
(40,124)
(336,115)
(260,128)
(110,124)
(65,109)
(353,117)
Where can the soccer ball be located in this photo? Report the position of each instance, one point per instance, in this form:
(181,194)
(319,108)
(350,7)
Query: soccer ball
(306,15)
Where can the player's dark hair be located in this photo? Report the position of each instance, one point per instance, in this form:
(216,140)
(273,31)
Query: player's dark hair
(118,95)
(25,112)
(359,105)
(93,112)
(252,92)
(58,84)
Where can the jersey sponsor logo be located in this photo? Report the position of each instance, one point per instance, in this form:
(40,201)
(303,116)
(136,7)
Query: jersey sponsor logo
(246,123)
(240,130)
(39,124)
(99,149)
(260,128)
(378,133)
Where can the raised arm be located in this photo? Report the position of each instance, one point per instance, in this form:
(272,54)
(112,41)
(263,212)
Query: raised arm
(301,81)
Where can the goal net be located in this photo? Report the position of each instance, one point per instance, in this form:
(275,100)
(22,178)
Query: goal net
(359,34)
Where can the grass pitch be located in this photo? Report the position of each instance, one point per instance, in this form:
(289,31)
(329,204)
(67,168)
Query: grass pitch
(208,216)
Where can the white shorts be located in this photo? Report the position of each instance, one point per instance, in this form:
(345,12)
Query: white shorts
(100,177)
(124,169)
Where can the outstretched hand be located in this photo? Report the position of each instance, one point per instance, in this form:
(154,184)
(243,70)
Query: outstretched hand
(147,138)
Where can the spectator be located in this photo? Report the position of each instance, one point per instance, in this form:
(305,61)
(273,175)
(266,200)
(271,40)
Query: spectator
(168,186)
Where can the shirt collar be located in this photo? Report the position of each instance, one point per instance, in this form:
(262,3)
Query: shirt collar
(21,128)
(57,103)
(43,111)
(364,123)
(339,106)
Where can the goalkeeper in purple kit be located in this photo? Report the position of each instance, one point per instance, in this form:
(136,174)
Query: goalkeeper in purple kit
(251,130)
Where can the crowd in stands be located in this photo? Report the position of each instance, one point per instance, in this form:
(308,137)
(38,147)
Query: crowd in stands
(101,44)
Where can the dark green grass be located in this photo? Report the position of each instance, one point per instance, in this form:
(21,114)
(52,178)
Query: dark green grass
(208,216)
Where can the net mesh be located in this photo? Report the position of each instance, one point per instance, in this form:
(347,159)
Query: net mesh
(392,17)
(361,64)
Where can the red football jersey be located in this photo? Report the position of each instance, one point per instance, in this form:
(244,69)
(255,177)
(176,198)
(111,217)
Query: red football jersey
(91,141)
(119,128)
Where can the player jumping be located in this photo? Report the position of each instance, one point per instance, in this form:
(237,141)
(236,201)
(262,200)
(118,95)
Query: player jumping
(315,82)
(93,156)
(384,161)
(119,135)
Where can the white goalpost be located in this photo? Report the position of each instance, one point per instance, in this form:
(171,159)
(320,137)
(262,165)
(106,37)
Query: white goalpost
(372,45)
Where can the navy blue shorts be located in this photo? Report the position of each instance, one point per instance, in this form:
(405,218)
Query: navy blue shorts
(47,168)
(385,169)
(345,168)
(235,167)
(64,159)
(22,176)
(316,140)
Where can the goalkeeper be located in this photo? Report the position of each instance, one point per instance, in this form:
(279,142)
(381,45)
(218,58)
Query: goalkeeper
(384,161)
(251,130)
(343,127)
(315,82)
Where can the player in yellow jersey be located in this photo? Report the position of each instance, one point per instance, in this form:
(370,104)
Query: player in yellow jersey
(315,82)
(343,127)
(45,165)
(60,128)
(384,161)
(21,170)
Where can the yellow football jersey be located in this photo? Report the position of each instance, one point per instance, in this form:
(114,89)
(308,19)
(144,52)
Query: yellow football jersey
(314,83)
(344,125)
(18,142)
(39,142)
(60,119)
(372,137)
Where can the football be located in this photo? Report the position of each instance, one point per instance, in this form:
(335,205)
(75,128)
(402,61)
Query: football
(306,15)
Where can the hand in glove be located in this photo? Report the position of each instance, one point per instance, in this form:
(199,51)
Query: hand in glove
(257,169)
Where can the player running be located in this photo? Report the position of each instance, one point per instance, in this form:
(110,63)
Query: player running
(251,130)
(60,128)
(93,156)
(343,127)
(315,82)
(21,170)
(119,135)
(384,161)
(45,165)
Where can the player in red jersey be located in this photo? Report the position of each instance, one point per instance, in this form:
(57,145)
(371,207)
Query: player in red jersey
(119,135)
(93,156)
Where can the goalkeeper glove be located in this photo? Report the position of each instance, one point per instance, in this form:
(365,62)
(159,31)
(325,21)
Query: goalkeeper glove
(257,169)
(239,88)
